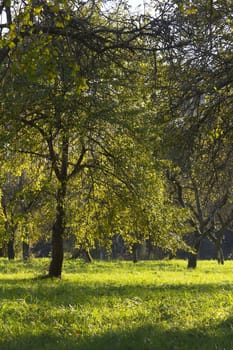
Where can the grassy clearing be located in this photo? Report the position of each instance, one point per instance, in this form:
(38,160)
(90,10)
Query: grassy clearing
(117,305)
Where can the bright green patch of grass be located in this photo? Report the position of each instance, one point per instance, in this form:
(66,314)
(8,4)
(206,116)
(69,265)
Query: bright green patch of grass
(117,306)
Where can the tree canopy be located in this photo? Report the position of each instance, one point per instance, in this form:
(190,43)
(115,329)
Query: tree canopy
(104,103)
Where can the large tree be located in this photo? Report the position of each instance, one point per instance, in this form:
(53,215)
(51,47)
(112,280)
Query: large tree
(72,94)
(78,79)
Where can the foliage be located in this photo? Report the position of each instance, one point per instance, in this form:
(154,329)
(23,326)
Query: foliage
(76,94)
(137,208)
(195,96)
(24,188)
(103,97)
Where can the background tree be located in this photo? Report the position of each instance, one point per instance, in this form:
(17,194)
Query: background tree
(195,98)
(23,188)
(206,191)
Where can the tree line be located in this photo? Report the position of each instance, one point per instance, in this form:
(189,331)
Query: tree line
(116,124)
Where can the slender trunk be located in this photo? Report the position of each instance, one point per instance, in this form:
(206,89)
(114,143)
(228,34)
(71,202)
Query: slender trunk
(192,259)
(11,229)
(135,252)
(25,251)
(150,249)
(220,256)
(55,268)
(3,250)
(11,249)
(87,255)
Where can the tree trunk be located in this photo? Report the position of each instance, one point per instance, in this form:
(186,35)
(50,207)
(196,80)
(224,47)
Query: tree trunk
(150,249)
(87,255)
(192,259)
(25,251)
(135,252)
(3,250)
(220,256)
(10,249)
(55,268)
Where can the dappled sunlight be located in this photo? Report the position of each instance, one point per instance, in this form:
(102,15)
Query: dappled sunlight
(146,337)
(117,305)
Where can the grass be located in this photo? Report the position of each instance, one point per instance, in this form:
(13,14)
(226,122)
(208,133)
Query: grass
(156,305)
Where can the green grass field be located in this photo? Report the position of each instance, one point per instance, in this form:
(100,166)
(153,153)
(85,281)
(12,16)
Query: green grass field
(156,305)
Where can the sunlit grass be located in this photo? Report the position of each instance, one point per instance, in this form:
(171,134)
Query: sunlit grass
(116,305)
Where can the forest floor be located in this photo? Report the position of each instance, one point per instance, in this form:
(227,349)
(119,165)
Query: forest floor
(151,305)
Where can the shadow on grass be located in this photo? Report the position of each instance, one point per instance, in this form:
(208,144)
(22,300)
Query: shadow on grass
(148,337)
(56,292)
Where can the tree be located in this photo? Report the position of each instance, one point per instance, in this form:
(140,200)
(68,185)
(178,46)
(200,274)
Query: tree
(66,88)
(196,107)
(206,191)
(103,208)
(199,72)
(23,191)
(77,80)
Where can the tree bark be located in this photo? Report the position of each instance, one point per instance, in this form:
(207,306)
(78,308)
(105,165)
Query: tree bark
(87,255)
(1,252)
(220,256)
(55,268)
(59,226)
(11,249)
(192,259)
(25,251)
(135,252)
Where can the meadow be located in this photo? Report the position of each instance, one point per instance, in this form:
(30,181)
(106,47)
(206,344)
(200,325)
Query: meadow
(151,305)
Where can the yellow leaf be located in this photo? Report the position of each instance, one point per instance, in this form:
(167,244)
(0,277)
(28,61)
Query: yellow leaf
(37,10)
(191,11)
(46,51)
(12,27)
(51,76)
(55,8)
(59,25)
(12,35)
(11,45)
